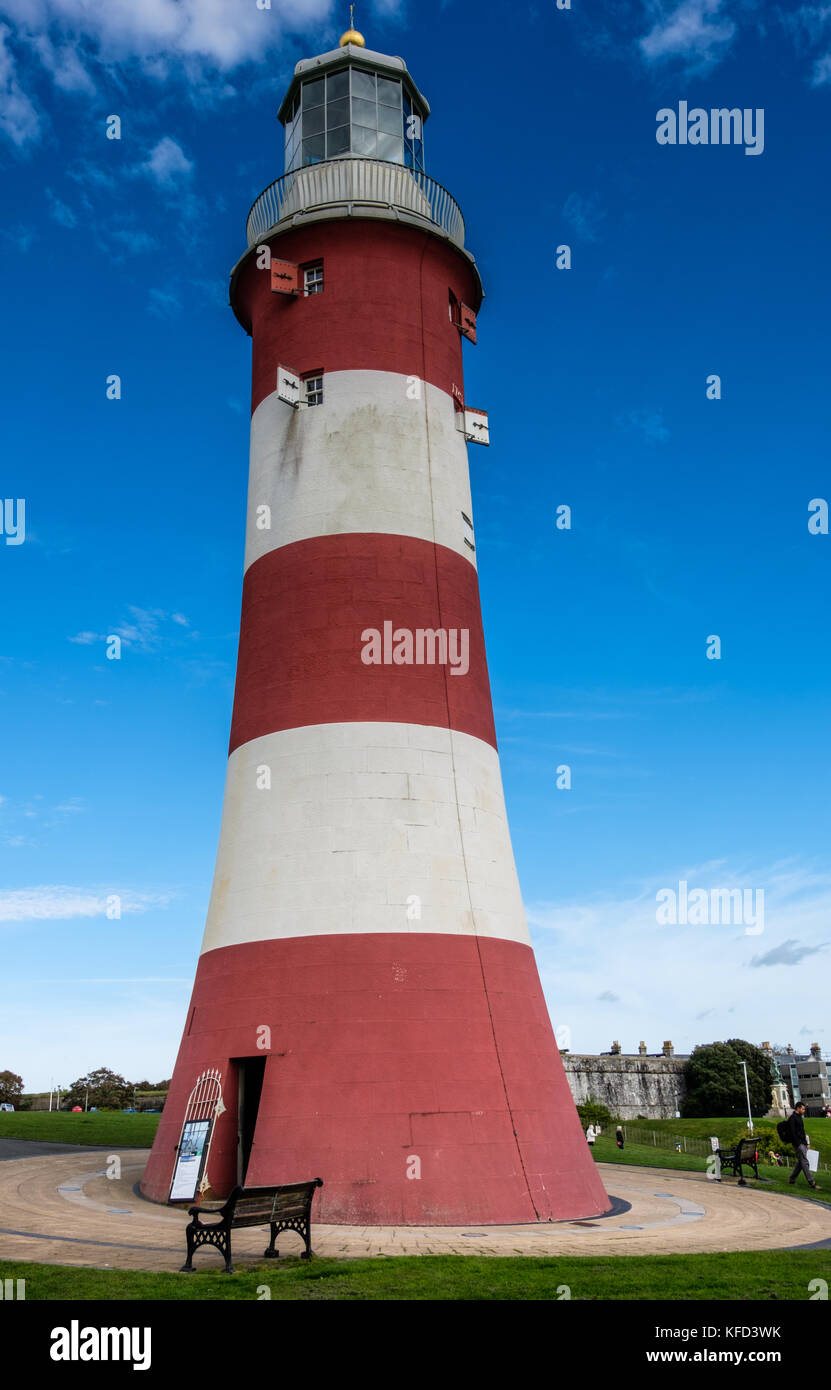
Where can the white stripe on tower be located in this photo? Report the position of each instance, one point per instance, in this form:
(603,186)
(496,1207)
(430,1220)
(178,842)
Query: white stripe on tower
(326,472)
(377,827)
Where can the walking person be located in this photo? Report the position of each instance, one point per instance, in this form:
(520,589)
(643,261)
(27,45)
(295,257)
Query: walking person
(795,1126)
(619,1136)
(591,1135)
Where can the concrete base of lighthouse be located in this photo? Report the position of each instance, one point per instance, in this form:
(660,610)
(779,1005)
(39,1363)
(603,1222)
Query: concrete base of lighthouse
(416,1073)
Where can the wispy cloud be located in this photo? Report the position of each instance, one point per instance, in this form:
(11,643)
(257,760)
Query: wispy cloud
(19,121)
(142,629)
(59,211)
(585,216)
(790,952)
(58,902)
(165,304)
(647,423)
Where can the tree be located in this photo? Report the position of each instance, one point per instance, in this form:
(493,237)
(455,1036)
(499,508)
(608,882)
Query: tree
(107,1090)
(715,1080)
(591,1112)
(11,1088)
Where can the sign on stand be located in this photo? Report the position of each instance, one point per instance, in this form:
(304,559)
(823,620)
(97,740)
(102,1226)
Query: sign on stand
(203,1108)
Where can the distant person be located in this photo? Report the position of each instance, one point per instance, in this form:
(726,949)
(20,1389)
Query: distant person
(591,1135)
(795,1126)
(619,1136)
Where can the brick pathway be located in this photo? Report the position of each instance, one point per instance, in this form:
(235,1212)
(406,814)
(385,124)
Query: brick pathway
(102,1222)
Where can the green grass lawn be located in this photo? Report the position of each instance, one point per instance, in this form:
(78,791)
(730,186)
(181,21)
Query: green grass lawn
(105,1127)
(749,1277)
(770,1179)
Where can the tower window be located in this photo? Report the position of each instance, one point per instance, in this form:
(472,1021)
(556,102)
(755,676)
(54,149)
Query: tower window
(313,387)
(313,278)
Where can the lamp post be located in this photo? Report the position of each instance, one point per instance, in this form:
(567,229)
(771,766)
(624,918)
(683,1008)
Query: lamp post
(747,1093)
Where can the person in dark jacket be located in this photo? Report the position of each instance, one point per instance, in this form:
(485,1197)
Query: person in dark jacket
(619,1136)
(796,1134)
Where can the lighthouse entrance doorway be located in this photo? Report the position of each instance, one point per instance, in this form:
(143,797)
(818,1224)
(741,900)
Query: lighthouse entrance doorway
(250,1073)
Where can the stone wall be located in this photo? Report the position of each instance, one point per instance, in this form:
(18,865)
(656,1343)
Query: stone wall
(628,1086)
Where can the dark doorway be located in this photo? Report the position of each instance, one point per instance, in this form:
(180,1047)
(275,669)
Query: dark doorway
(250,1073)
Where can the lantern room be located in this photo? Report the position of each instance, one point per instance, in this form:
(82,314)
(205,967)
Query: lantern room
(353,103)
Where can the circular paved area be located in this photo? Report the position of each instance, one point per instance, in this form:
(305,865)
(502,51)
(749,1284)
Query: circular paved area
(63,1209)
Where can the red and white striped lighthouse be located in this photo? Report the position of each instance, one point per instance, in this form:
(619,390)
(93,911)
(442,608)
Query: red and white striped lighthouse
(367,995)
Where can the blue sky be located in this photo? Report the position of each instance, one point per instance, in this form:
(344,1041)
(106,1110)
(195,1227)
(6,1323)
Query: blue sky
(690,516)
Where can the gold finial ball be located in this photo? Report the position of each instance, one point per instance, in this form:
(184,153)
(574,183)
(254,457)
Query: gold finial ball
(352,36)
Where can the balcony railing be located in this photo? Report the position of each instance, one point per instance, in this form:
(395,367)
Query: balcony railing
(353,184)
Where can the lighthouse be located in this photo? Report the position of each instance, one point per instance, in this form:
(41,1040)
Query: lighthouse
(367,1007)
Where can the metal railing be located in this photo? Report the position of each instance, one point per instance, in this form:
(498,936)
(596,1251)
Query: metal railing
(355,183)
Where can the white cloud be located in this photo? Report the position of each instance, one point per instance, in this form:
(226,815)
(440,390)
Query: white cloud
(696,31)
(63,63)
(822,71)
(19,120)
(671,978)
(79,41)
(168,164)
(50,903)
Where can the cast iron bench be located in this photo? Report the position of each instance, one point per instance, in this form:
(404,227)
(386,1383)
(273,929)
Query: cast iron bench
(744,1152)
(286,1208)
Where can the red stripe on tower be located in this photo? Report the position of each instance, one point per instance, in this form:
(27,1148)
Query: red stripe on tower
(367,991)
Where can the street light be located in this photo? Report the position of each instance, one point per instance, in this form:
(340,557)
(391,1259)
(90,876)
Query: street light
(747,1093)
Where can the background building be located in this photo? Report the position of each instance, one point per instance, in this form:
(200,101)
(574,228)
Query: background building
(804,1074)
(652,1086)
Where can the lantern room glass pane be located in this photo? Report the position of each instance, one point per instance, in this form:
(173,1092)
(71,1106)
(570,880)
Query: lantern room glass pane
(363,141)
(314,150)
(391,147)
(314,121)
(337,85)
(389,93)
(363,84)
(364,113)
(337,113)
(389,120)
(314,93)
(337,141)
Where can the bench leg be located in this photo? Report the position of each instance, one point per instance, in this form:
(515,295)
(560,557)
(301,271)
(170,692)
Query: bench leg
(271,1253)
(187,1267)
(307,1253)
(225,1249)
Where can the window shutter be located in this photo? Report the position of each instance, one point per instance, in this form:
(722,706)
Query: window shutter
(474,426)
(467,322)
(284,277)
(288,386)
